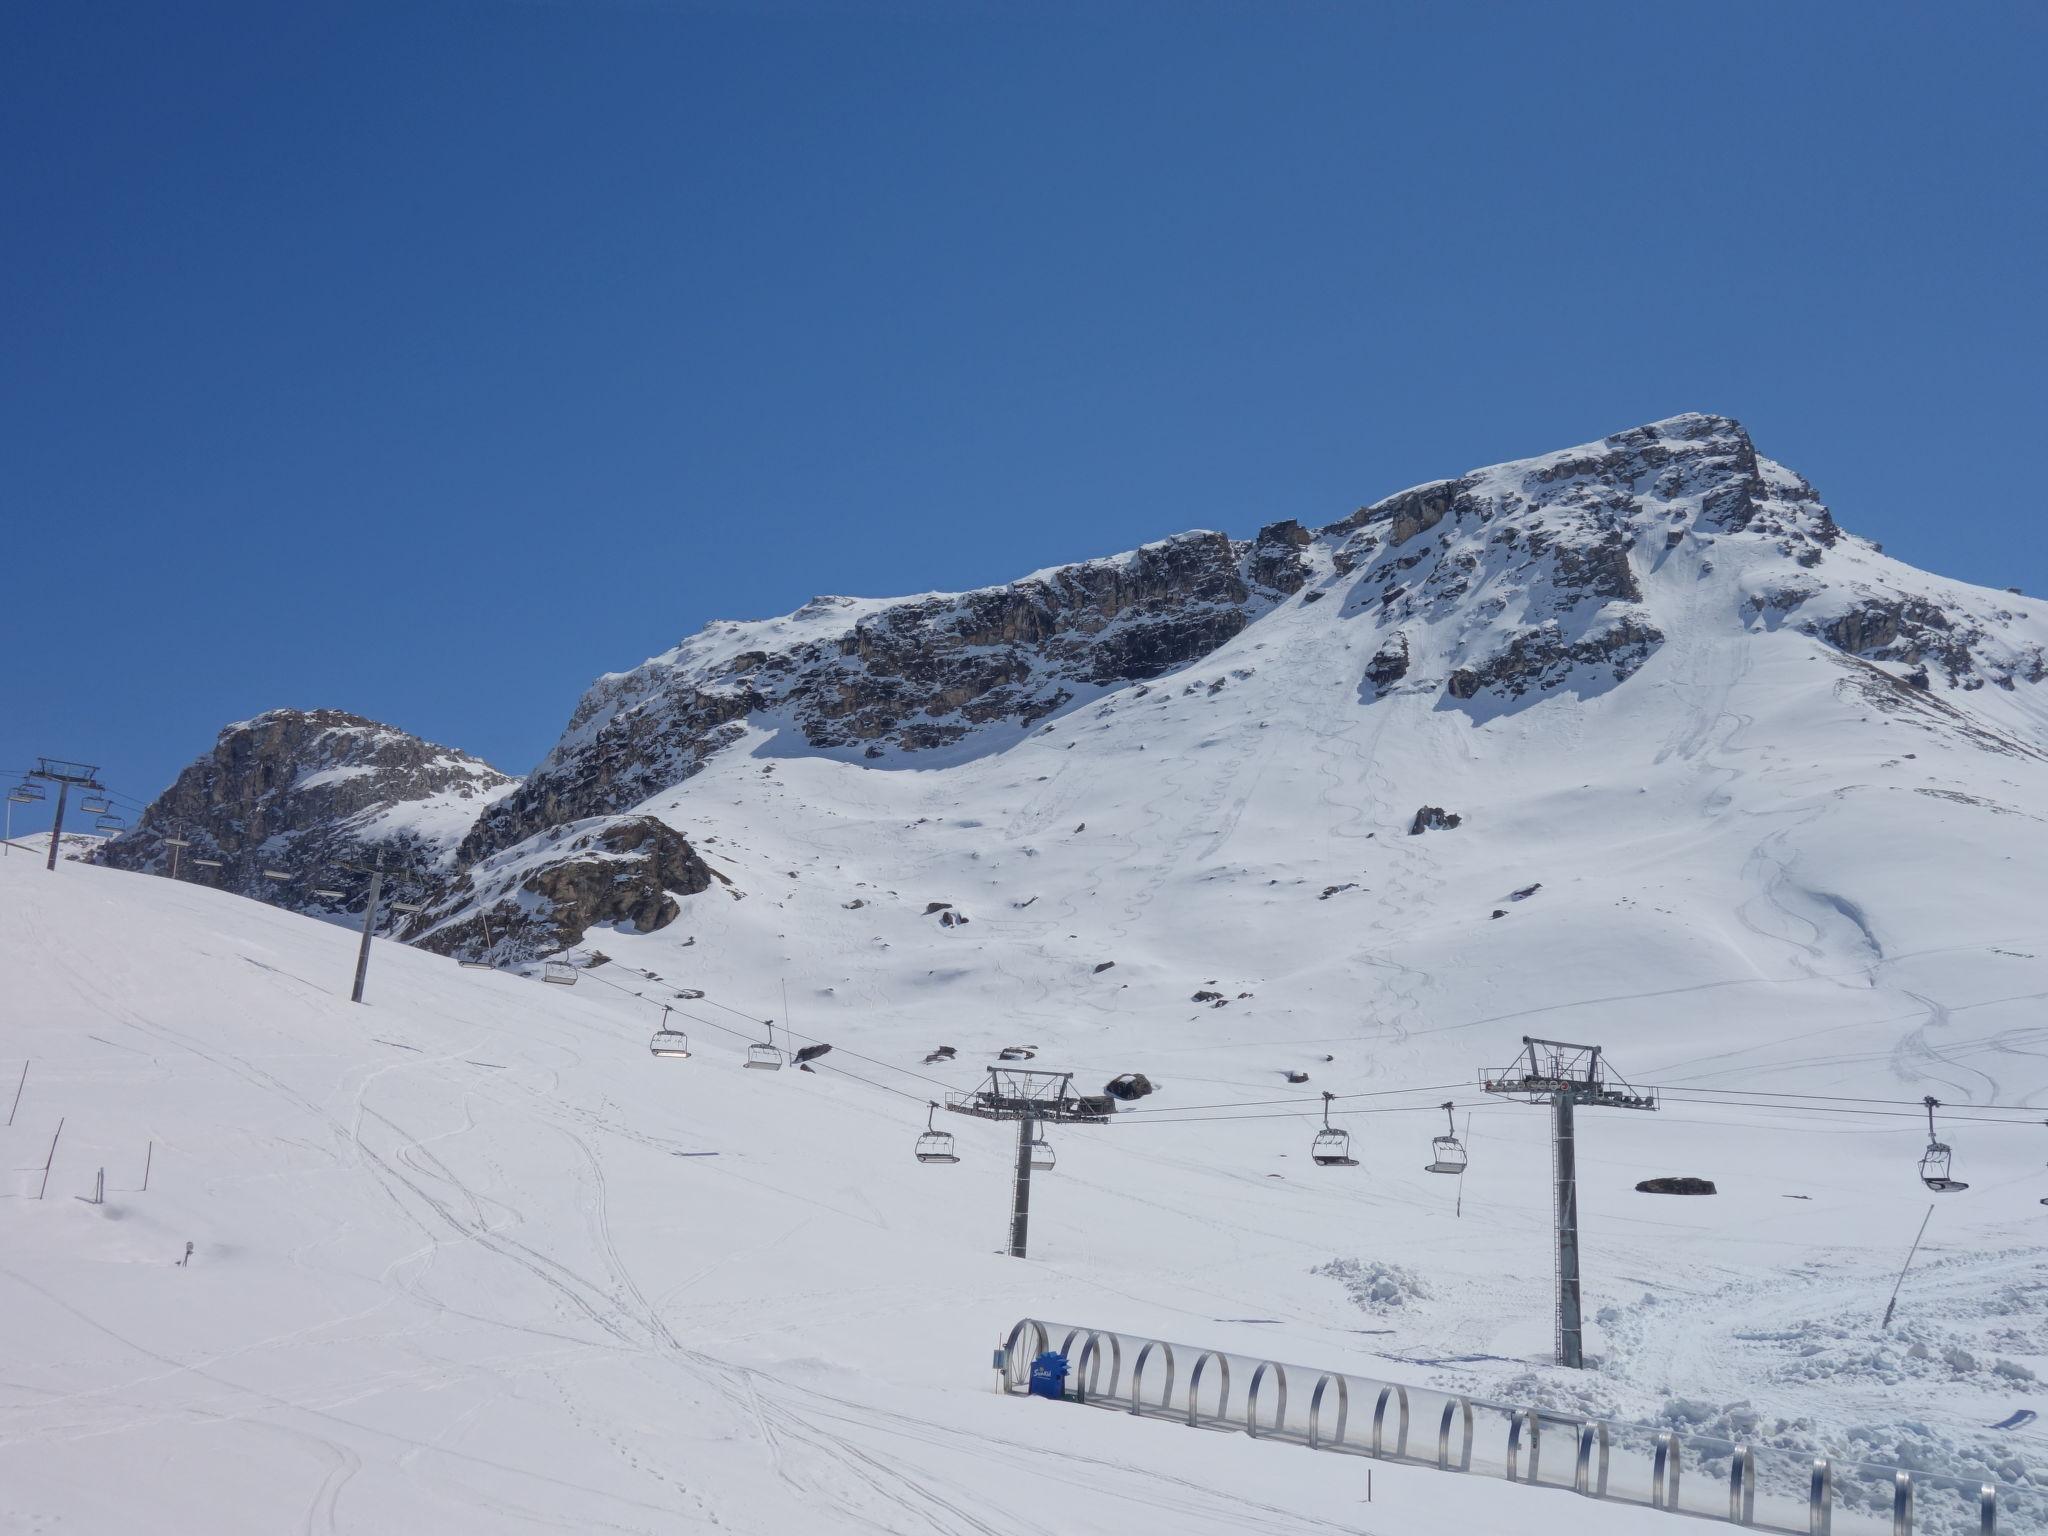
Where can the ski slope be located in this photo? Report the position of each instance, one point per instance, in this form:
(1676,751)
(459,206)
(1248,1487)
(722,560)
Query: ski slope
(460,1265)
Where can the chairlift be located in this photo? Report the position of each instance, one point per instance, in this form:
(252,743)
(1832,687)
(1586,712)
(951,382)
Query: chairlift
(1447,1153)
(277,874)
(110,825)
(1041,1153)
(329,895)
(560,972)
(669,1042)
(1332,1147)
(935,1145)
(1934,1162)
(208,863)
(765,1058)
(95,805)
(27,792)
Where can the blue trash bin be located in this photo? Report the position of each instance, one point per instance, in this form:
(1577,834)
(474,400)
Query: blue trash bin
(1049,1375)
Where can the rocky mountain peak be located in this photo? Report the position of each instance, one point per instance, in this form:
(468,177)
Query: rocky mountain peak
(310,793)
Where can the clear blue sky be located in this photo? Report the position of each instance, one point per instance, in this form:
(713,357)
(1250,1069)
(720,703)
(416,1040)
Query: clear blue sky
(427,359)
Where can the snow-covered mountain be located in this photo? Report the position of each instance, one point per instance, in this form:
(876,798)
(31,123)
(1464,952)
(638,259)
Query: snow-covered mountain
(319,795)
(1629,744)
(1546,582)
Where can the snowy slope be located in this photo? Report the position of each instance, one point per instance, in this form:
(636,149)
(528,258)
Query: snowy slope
(459,1265)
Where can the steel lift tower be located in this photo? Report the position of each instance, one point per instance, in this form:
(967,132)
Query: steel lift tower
(65,774)
(1564,1076)
(1029,1098)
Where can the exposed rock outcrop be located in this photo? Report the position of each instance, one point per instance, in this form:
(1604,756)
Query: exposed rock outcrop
(544,896)
(318,795)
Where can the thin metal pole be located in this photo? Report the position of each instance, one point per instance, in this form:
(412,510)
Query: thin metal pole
(177,847)
(1894,1301)
(1564,1157)
(1460,1211)
(1020,1198)
(49,1160)
(17,1092)
(369,923)
(148,1162)
(57,826)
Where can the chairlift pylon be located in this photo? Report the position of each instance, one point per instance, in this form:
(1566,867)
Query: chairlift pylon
(672,1043)
(935,1145)
(560,972)
(764,1057)
(1446,1152)
(1934,1162)
(1332,1147)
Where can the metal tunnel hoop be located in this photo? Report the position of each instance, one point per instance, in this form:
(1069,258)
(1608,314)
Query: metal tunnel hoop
(1138,1376)
(1664,1472)
(1443,1436)
(1315,1408)
(1010,1356)
(1379,1418)
(1222,1413)
(1089,1365)
(1820,1498)
(1589,1472)
(1251,1398)
(1531,1419)
(1742,1486)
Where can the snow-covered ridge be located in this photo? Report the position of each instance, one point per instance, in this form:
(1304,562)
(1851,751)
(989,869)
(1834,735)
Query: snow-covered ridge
(1490,591)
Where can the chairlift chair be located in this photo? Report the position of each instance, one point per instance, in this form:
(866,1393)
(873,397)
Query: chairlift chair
(1042,1157)
(935,1145)
(95,805)
(27,792)
(764,1057)
(1447,1153)
(669,1042)
(1934,1162)
(1332,1147)
(110,825)
(560,972)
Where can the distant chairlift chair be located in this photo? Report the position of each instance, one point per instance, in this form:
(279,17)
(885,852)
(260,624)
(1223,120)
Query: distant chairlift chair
(1042,1157)
(764,1057)
(672,1043)
(1934,1162)
(560,972)
(1332,1147)
(1446,1152)
(95,805)
(935,1145)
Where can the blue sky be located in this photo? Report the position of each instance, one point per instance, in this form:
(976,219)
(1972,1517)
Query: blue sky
(427,359)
